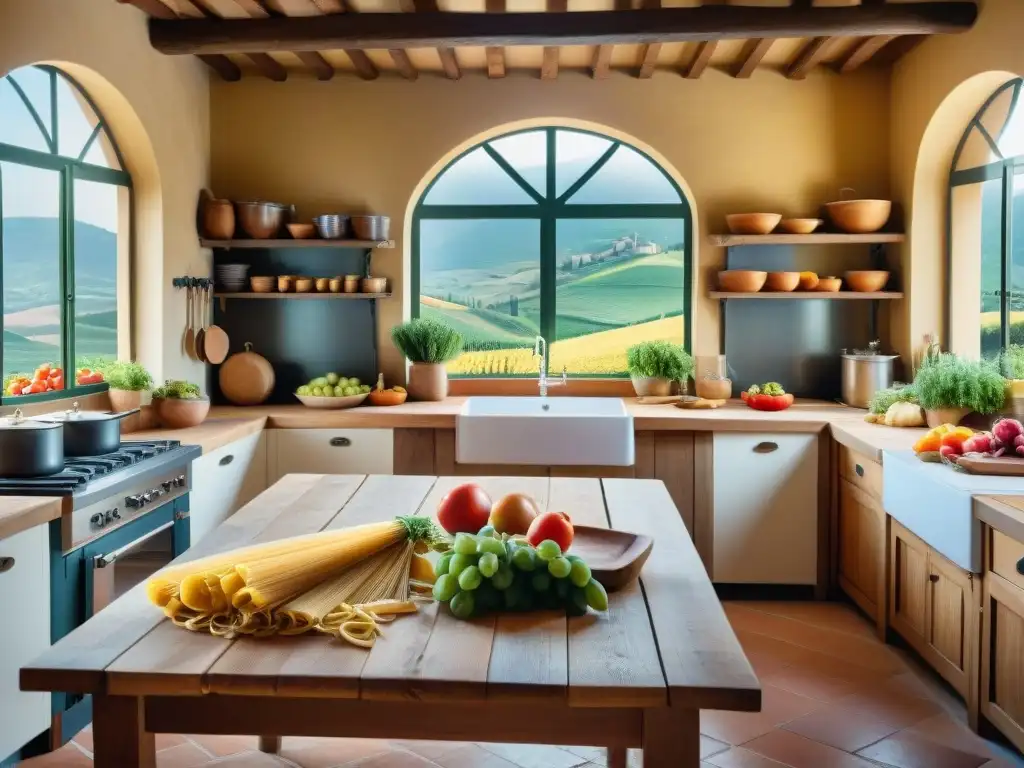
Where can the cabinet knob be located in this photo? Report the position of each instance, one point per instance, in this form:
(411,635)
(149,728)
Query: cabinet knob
(225,460)
(766,447)
(859,470)
(1020,566)
(6,563)
(340,442)
(933,578)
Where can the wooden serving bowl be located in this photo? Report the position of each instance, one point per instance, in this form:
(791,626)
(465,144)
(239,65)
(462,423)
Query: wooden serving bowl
(859,217)
(799,226)
(752,223)
(615,557)
(867,280)
(829,284)
(782,281)
(741,280)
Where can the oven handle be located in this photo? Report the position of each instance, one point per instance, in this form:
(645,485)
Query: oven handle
(102,561)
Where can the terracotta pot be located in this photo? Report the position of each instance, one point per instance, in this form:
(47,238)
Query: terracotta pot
(181,414)
(651,386)
(741,280)
(126,400)
(428,381)
(219,220)
(941,416)
(752,223)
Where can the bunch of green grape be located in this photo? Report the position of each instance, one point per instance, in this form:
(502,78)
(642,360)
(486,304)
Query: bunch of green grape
(491,572)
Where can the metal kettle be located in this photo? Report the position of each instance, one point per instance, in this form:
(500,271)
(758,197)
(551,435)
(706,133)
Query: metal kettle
(864,372)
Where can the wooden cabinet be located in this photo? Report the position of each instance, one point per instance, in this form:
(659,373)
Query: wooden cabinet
(933,605)
(24,600)
(1002,647)
(224,480)
(862,549)
(330,452)
(766,508)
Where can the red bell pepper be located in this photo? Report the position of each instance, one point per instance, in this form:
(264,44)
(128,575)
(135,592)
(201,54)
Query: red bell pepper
(767,402)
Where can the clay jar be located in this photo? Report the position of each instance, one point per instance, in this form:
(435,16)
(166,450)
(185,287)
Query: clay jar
(428,381)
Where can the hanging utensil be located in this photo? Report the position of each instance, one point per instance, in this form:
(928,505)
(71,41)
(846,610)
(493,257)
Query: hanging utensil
(201,333)
(190,334)
(216,344)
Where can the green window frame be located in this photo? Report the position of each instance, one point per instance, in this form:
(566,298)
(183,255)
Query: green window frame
(549,207)
(71,168)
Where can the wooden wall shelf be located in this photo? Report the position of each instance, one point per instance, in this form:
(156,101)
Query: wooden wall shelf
(808,295)
(310,295)
(817,238)
(289,243)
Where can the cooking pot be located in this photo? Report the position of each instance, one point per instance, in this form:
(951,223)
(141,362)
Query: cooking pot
(89,433)
(30,448)
(864,373)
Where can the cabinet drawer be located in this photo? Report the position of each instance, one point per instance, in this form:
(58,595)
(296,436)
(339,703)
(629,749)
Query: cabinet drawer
(333,452)
(861,471)
(1008,558)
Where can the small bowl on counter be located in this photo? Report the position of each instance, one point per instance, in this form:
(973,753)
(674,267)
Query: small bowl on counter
(799,226)
(332,226)
(332,403)
(866,280)
(302,231)
(741,280)
(784,282)
(387,396)
(371,227)
(752,223)
(374,285)
(829,284)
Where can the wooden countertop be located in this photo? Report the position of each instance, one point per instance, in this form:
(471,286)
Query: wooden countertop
(19,513)
(871,439)
(210,435)
(1004,513)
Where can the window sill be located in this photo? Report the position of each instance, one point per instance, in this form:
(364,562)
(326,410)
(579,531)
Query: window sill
(528,386)
(17,401)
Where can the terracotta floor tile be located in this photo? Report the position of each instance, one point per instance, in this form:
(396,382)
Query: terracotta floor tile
(473,756)
(777,707)
(430,749)
(163,740)
(68,756)
(396,759)
(798,752)
(535,755)
(836,616)
(224,745)
(325,753)
(250,760)
(709,746)
(897,709)
(944,730)
(596,755)
(184,755)
(812,683)
(908,750)
(840,728)
(738,757)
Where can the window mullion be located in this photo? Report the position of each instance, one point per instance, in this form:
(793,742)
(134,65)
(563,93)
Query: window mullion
(67,267)
(548,239)
(1006,254)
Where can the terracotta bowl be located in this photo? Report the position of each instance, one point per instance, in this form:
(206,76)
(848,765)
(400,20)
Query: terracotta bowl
(867,280)
(304,284)
(181,414)
(752,223)
(782,281)
(799,226)
(859,217)
(302,231)
(829,284)
(741,280)
(387,397)
(262,284)
(808,281)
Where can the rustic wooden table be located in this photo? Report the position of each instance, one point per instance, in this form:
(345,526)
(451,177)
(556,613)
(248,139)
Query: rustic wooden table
(636,676)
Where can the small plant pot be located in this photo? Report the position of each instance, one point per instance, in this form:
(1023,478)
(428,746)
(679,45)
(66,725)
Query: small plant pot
(651,386)
(941,416)
(181,414)
(428,381)
(127,400)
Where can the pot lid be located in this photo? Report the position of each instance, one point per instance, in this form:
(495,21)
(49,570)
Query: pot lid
(871,353)
(74,413)
(18,421)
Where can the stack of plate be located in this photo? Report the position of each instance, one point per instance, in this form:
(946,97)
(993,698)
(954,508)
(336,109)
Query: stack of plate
(232,277)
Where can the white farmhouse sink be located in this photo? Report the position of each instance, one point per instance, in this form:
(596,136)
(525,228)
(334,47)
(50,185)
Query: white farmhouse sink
(546,431)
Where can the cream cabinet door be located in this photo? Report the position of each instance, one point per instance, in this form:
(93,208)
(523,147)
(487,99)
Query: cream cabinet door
(25,602)
(223,480)
(331,452)
(765,516)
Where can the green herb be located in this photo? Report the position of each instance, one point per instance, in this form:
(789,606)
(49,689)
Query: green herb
(1011,362)
(883,398)
(177,390)
(659,359)
(127,375)
(427,341)
(948,381)
(754,389)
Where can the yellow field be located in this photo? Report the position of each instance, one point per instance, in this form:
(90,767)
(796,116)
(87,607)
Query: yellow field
(598,353)
(991,319)
(430,301)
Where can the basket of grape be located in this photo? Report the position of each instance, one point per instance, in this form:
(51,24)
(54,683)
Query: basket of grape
(332,391)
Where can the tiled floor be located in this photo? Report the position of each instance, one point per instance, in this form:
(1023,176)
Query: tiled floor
(834,697)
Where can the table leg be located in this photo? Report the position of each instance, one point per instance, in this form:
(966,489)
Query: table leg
(270,744)
(671,738)
(119,733)
(616,757)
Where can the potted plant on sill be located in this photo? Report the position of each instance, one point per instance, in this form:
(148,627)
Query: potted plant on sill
(126,381)
(949,387)
(179,405)
(655,365)
(428,345)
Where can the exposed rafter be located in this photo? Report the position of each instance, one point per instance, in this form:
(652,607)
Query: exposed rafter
(403,63)
(383,30)
(449,63)
(649,53)
(863,51)
(360,61)
(549,67)
(495,53)
(601,67)
(756,50)
(810,57)
(705,51)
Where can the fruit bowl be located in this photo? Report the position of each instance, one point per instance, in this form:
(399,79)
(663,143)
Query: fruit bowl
(386,397)
(333,403)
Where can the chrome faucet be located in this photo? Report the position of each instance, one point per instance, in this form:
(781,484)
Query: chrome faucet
(540,348)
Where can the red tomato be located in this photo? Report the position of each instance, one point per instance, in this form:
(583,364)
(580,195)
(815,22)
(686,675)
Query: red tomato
(42,371)
(57,382)
(35,388)
(551,525)
(464,509)
(56,371)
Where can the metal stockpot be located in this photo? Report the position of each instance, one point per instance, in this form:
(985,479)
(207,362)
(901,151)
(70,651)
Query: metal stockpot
(30,448)
(864,372)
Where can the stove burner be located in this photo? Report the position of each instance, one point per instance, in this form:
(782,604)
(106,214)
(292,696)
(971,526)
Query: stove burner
(79,471)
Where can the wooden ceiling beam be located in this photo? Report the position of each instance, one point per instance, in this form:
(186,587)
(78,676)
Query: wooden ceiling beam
(389,30)
(649,60)
(700,62)
(154,8)
(495,53)
(449,63)
(403,64)
(756,51)
(601,67)
(811,56)
(863,51)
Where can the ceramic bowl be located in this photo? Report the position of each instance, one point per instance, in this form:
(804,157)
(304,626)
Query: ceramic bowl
(867,280)
(741,280)
(387,397)
(829,284)
(859,217)
(302,231)
(782,281)
(752,223)
(799,226)
(332,403)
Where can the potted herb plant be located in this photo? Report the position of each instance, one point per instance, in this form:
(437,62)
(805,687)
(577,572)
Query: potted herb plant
(655,365)
(127,380)
(950,387)
(428,345)
(179,405)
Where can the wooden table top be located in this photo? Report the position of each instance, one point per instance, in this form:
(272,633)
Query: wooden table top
(666,643)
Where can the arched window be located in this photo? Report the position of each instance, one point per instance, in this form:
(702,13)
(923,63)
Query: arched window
(986,227)
(567,234)
(65,204)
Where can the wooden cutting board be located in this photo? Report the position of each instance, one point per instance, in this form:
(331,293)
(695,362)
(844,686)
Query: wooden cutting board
(1004,466)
